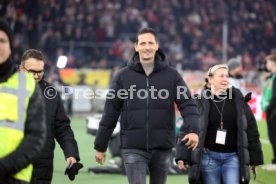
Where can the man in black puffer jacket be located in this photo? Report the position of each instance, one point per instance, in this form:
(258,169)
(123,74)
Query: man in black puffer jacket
(144,93)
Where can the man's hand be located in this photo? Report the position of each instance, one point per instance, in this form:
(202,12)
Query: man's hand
(181,165)
(100,157)
(71,161)
(192,140)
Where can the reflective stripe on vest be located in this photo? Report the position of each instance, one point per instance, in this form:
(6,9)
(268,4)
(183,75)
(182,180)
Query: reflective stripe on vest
(22,95)
(14,96)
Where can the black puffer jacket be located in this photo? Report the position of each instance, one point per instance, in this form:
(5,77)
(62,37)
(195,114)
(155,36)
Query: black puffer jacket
(58,127)
(248,144)
(146,123)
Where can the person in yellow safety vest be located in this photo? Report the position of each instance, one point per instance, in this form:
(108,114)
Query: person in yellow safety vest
(22,117)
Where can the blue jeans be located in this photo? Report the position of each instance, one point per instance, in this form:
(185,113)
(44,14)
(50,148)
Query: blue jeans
(217,167)
(137,162)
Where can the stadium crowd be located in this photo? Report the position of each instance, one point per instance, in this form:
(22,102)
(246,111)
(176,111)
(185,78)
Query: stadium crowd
(99,33)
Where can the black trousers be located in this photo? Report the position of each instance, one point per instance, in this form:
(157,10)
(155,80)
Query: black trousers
(43,171)
(271,126)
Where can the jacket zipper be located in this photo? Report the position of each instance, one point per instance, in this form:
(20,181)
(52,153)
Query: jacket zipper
(127,113)
(240,131)
(147,120)
(242,153)
(169,104)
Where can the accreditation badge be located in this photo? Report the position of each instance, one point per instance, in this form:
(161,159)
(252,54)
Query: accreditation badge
(221,136)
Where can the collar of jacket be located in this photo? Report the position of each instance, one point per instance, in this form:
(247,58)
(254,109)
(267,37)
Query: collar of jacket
(238,94)
(6,70)
(203,102)
(43,84)
(159,62)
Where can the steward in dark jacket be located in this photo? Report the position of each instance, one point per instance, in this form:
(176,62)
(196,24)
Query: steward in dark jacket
(248,146)
(146,123)
(58,123)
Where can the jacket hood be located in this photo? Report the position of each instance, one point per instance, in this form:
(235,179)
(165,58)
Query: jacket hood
(4,26)
(239,94)
(159,62)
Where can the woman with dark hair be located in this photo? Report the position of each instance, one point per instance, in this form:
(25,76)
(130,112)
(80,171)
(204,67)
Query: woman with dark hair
(228,140)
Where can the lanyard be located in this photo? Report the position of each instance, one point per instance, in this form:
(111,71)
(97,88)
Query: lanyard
(220,113)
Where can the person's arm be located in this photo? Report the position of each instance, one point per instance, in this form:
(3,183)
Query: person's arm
(186,105)
(254,144)
(182,154)
(110,116)
(189,111)
(63,132)
(34,138)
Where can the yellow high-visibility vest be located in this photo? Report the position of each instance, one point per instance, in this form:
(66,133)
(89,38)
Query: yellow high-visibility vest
(15,95)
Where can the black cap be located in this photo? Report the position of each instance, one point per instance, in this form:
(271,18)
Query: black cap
(6,28)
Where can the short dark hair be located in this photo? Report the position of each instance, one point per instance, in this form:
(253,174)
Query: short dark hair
(271,57)
(32,53)
(146,30)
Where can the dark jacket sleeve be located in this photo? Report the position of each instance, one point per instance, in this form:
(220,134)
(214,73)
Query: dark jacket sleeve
(63,132)
(271,109)
(182,151)
(186,105)
(254,144)
(32,144)
(110,116)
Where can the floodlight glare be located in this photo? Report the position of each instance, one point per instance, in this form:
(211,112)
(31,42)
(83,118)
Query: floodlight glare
(62,61)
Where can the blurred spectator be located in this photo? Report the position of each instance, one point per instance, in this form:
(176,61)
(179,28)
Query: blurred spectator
(235,74)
